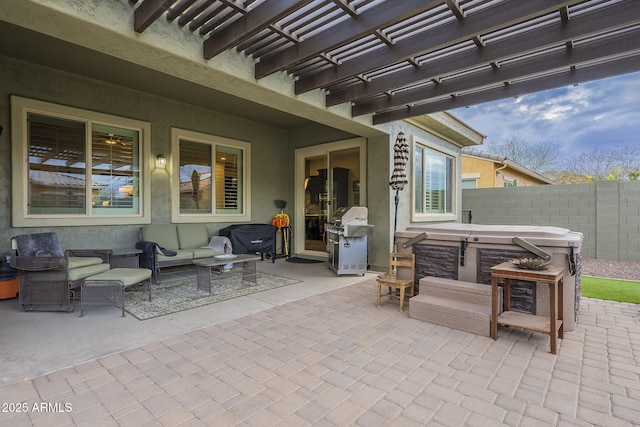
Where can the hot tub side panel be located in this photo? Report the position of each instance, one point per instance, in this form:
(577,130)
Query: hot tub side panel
(523,294)
(435,260)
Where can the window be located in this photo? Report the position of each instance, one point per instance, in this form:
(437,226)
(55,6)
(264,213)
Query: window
(468,183)
(211,178)
(510,182)
(79,168)
(433,184)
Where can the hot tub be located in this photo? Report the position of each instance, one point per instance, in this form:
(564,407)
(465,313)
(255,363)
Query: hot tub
(468,251)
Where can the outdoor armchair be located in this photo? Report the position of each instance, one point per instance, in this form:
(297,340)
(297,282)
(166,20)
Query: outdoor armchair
(47,275)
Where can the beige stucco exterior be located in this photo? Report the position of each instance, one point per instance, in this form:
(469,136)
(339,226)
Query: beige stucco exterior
(490,173)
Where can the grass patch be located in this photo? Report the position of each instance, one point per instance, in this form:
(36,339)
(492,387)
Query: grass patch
(610,289)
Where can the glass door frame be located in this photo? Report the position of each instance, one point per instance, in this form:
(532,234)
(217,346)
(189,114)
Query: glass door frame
(301,154)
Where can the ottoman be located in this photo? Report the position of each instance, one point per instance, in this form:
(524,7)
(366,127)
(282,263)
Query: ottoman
(107,288)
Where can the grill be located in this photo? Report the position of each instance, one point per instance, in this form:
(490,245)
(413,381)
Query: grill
(347,234)
(251,238)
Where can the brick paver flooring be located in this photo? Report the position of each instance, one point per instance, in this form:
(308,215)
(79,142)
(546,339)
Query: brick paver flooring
(336,359)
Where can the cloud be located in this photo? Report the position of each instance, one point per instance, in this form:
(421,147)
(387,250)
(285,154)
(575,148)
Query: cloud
(599,113)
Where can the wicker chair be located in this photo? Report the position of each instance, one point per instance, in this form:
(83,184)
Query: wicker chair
(47,275)
(400,276)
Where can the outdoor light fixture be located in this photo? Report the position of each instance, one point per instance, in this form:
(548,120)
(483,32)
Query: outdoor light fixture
(161,161)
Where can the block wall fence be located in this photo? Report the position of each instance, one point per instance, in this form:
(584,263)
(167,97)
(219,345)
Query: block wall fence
(607,213)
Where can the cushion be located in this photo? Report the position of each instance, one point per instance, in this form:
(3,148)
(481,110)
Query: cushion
(90,270)
(39,244)
(127,276)
(81,261)
(192,236)
(165,235)
(180,255)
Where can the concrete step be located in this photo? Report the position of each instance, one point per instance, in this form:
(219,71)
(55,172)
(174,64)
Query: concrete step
(464,316)
(475,293)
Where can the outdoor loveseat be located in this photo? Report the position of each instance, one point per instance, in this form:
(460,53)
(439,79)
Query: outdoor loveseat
(170,245)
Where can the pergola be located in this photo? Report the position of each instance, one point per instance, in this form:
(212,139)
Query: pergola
(397,59)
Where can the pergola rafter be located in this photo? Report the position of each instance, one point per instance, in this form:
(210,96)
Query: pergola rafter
(397,59)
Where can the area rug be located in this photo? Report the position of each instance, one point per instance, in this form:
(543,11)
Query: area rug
(172,297)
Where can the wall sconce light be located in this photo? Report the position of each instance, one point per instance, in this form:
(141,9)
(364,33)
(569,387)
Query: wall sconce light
(161,161)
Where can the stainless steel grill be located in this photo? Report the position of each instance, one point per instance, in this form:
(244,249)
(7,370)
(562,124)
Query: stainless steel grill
(347,234)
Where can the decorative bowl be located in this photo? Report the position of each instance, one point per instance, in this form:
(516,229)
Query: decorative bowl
(530,263)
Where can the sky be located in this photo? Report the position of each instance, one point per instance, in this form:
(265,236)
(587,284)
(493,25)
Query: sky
(602,113)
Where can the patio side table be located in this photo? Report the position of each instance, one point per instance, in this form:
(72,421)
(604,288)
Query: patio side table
(125,258)
(551,324)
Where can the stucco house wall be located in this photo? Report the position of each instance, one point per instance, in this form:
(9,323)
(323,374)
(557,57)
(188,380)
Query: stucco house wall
(494,174)
(509,175)
(483,171)
(270,145)
(169,54)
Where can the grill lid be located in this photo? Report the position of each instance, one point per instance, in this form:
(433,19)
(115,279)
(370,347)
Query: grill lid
(351,215)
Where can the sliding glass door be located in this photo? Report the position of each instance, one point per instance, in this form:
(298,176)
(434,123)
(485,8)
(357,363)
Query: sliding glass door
(327,177)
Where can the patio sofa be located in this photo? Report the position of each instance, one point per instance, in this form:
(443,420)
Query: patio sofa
(169,245)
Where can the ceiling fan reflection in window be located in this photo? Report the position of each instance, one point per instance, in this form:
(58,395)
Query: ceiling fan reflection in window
(112,139)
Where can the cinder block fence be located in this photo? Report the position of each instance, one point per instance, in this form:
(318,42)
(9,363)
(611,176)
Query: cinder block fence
(607,213)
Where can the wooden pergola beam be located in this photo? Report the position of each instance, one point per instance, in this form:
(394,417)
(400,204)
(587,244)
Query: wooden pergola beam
(585,53)
(572,77)
(485,21)
(556,34)
(248,25)
(365,23)
(148,12)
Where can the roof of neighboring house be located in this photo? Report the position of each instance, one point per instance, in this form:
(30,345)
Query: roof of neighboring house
(53,179)
(496,158)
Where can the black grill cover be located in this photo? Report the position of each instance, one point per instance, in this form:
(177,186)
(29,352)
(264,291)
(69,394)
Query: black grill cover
(251,238)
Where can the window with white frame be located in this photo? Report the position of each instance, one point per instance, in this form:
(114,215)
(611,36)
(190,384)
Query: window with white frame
(433,183)
(79,167)
(510,182)
(211,177)
(469,183)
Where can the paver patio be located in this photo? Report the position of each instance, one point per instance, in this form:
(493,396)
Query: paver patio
(336,359)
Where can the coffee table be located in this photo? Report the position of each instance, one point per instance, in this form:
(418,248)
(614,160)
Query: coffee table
(212,269)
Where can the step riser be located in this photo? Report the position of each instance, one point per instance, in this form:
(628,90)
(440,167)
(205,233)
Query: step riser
(456,304)
(467,321)
(462,291)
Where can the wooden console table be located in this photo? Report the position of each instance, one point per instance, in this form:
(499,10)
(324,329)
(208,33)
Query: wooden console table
(550,325)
